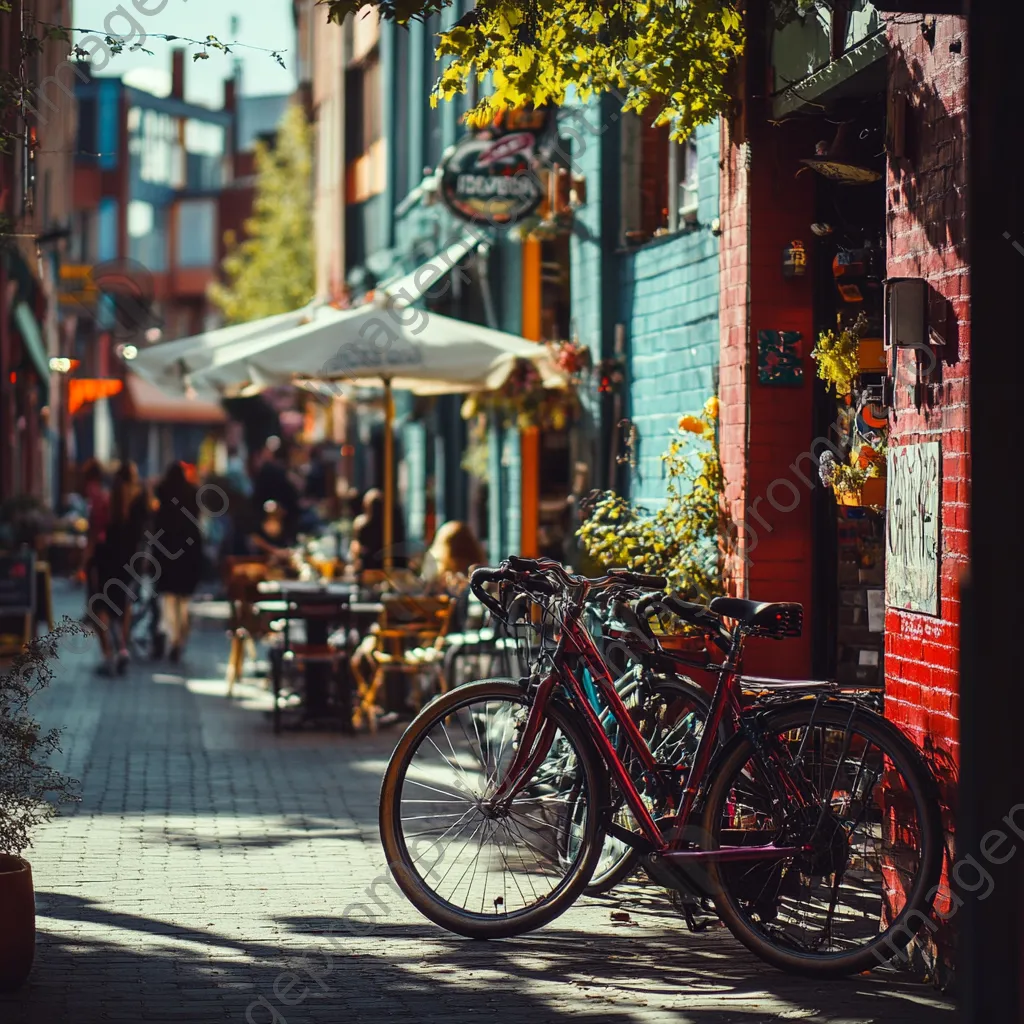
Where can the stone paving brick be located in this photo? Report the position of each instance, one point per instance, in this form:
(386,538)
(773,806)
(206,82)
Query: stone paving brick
(206,873)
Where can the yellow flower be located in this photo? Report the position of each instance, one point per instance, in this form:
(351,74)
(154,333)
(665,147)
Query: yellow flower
(694,424)
(711,408)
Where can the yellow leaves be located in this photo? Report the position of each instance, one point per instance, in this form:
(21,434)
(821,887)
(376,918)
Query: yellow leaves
(711,408)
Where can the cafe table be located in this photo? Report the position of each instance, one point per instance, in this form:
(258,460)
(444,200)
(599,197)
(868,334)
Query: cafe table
(323,607)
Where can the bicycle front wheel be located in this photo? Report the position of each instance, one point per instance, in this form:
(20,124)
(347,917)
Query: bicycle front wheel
(847,789)
(475,868)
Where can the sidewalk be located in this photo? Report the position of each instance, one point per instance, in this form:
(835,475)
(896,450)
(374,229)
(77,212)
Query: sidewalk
(201,875)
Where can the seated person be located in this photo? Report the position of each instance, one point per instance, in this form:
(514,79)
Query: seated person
(270,535)
(446,568)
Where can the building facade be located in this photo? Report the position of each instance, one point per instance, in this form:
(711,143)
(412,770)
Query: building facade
(152,201)
(35,208)
(844,221)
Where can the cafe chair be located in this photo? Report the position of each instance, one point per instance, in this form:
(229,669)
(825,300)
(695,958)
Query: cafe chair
(410,638)
(242,574)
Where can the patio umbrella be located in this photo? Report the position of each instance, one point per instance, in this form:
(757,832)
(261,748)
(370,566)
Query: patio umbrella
(170,364)
(409,349)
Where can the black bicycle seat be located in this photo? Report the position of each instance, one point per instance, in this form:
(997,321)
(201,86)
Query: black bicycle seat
(777,619)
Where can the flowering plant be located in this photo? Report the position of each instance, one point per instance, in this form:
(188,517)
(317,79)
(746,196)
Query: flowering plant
(572,358)
(837,354)
(684,539)
(523,401)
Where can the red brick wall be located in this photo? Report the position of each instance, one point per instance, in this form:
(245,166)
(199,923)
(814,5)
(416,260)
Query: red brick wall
(765,205)
(926,226)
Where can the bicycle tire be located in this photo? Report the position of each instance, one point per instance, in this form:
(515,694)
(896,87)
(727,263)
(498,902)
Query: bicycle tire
(402,866)
(603,881)
(899,754)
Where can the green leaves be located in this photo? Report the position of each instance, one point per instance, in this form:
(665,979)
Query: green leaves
(684,540)
(271,270)
(673,58)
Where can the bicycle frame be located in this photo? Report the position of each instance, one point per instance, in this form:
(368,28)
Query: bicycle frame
(538,736)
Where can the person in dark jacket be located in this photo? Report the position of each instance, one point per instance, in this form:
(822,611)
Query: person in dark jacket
(177,528)
(114,565)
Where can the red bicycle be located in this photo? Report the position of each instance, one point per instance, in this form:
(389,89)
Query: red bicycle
(814,830)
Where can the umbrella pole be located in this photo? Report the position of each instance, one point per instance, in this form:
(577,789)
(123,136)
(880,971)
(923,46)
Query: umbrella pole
(389,476)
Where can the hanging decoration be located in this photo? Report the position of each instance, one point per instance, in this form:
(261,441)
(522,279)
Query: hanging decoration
(524,402)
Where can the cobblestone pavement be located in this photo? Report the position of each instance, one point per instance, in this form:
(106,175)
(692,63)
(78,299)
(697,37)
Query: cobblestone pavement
(201,875)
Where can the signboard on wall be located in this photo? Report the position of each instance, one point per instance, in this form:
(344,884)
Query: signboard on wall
(913,540)
(491,175)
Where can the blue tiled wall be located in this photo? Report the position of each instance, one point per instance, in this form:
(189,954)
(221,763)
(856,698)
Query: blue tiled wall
(665,295)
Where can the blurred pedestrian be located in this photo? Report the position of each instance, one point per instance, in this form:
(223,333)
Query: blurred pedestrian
(128,515)
(176,527)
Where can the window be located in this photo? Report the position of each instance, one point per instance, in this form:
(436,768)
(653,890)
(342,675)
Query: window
(197,232)
(155,148)
(147,235)
(659,181)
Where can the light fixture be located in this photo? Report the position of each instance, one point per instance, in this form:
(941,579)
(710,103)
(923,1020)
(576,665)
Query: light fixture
(60,364)
(154,334)
(129,352)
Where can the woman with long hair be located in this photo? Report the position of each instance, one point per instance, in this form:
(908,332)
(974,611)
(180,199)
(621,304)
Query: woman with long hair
(126,523)
(177,528)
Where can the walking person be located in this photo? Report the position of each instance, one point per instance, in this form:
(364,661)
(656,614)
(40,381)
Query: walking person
(126,524)
(177,528)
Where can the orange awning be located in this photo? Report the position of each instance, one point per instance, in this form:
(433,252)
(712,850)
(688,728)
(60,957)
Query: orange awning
(145,401)
(88,389)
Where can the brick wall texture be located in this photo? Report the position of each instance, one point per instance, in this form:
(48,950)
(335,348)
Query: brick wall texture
(927,238)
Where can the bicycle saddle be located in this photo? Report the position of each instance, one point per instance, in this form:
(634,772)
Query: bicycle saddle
(776,619)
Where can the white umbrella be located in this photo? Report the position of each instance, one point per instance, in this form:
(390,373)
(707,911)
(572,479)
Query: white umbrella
(171,364)
(410,349)
(417,350)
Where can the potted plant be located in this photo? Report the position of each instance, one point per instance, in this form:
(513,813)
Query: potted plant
(861,480)
(684,541)
(30,792)
(844,353)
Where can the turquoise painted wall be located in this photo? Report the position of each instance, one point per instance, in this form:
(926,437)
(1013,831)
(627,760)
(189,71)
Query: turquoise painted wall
(665,294)
(668,300)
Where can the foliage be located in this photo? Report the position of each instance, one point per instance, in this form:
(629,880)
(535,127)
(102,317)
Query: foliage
(30,790)
(271,271)
(524,402)
(837,354)
(476,459)
(848,477)
(682,540)
(674,58)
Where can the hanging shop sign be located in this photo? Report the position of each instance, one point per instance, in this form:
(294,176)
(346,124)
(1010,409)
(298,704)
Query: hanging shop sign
(492,176)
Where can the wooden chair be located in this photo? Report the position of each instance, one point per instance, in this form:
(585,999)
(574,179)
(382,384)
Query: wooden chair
(242,574)
(410,639)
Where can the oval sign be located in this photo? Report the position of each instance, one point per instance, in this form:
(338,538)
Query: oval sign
(492,180)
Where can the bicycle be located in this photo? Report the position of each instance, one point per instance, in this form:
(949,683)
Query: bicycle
(764,830)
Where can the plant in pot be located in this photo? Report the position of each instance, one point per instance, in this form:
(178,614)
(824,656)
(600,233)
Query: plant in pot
(685,539)
(30,792)
(838,354)
(860,481)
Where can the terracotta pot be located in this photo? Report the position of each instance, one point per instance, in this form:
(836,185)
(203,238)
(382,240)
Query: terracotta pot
(871,355)
(872,493)
(18,927)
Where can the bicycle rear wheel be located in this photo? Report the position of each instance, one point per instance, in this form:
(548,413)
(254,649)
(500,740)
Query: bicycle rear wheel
(471,867)
(846,786)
